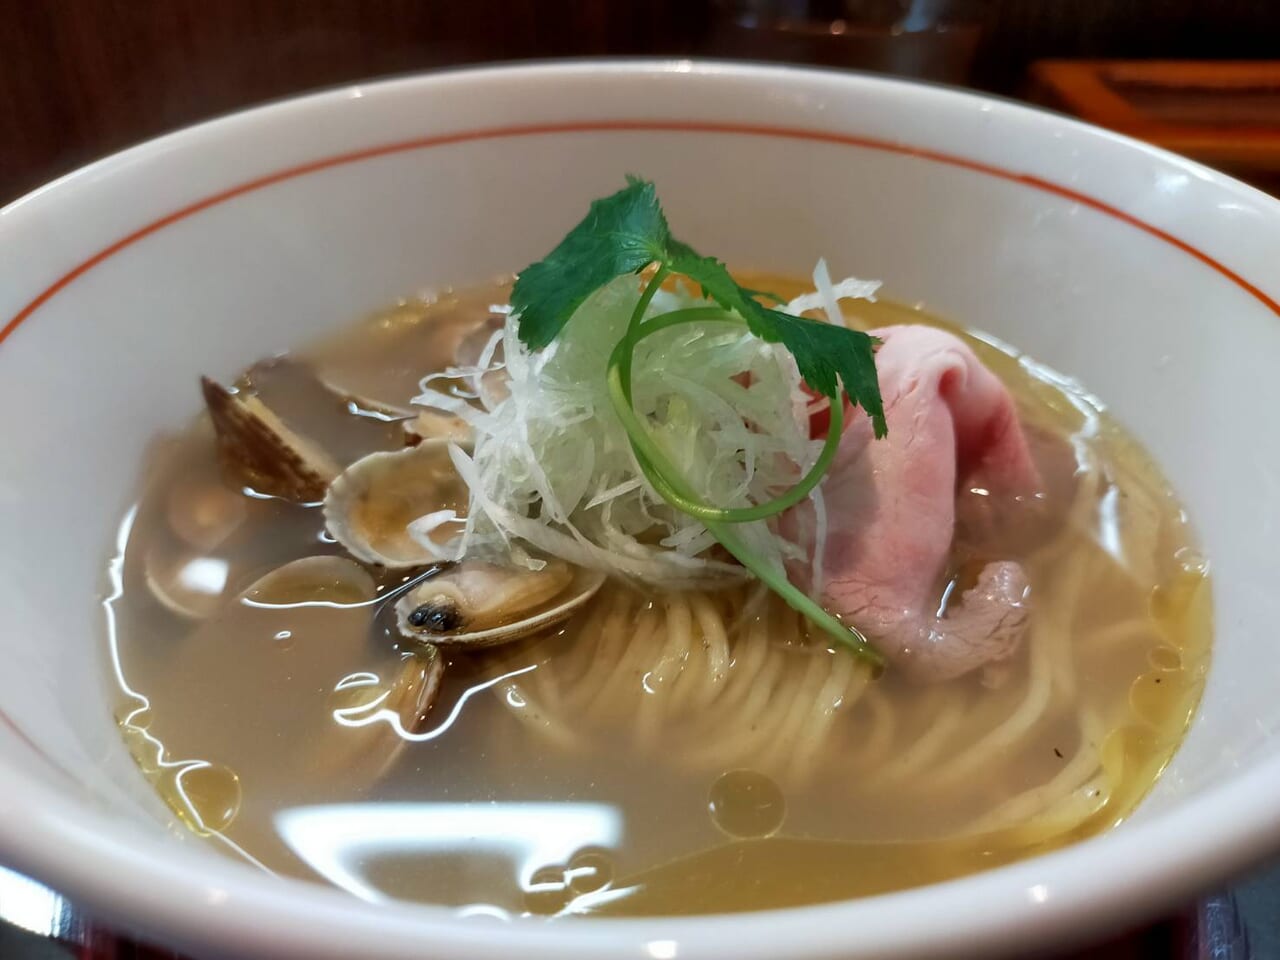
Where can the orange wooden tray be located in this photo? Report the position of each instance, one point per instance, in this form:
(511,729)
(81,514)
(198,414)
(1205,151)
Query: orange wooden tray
(1223,113)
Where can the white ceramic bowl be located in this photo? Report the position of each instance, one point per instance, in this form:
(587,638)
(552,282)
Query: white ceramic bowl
(1150,278)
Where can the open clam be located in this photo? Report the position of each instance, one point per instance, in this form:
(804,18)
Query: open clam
(405,697)
(256,444)
(476,604)
(204,513)
(373,718)
(185,564)
(284,432)
(475,348)
(417,687)
(401,510)
(398,509)
(324,579)
(185,583)
(436,425)
(419,335)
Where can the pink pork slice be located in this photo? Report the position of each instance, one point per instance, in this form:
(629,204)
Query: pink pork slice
(891,509)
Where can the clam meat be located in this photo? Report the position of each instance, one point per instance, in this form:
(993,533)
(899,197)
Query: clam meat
(475,604)
(398,509)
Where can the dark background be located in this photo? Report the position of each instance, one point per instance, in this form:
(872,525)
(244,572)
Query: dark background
(82,78)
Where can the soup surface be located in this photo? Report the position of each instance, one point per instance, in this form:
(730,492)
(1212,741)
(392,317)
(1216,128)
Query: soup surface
(682,753)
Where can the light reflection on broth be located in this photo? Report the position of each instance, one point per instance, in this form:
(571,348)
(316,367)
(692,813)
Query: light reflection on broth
(675,754)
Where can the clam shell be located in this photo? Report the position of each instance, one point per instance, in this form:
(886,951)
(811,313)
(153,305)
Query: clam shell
(419,335)
(471,345)
(204,513)
(185,583)
(417,687)
(405,698)
(325,579)
(185,567)
(355,745)
(434,425)
(368,509)
(476,604)
(256,445)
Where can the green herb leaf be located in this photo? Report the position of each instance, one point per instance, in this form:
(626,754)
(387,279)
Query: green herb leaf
(823,351)
(622,233)
(627,232)
(672,487)
(762,295)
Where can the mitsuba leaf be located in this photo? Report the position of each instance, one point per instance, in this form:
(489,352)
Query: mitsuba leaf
(626,232)
(622,233)
(828,355)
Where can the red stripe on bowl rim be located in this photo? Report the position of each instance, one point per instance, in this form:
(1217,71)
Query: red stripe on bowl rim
(626,126)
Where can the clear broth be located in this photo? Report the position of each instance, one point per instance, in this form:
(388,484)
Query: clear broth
(233,711)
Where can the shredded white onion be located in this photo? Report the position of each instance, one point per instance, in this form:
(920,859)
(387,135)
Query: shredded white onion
(421,531)
(552,470)
(826,294)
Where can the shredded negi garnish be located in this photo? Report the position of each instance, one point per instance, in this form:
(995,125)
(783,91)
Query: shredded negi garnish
(641,423)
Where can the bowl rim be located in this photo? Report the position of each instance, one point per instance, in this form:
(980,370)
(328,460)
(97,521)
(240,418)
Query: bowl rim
(229,906)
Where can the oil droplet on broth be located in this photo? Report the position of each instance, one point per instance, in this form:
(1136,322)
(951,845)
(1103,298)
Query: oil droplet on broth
(134,715)
(133,722)
(205,796)
(547,891)
(551,888)
(1172,601)
(1164,699)
(1192,561)
(589,871)
(1165,658)
(746,804)
(1150,697)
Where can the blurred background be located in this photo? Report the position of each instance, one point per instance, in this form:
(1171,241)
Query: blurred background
(82,78)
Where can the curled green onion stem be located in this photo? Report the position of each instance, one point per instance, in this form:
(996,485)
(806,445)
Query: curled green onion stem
(672,487)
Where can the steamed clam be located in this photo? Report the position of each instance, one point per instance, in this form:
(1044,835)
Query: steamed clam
(324,579)
(284,431)
(205,513)
(405,698)
(187,584)
(403,509)
(398,509)
(417,687)
(186,568)
(476,604)
(256,444)
(437,425)
(380,369)
(373,718)
(482,347)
